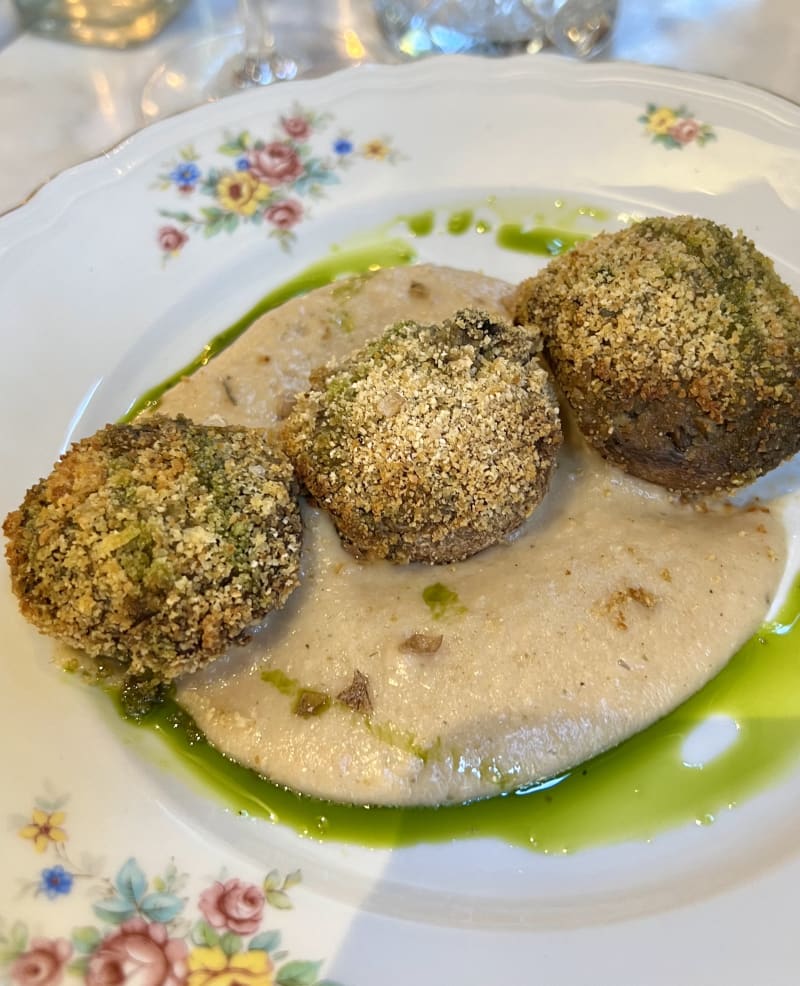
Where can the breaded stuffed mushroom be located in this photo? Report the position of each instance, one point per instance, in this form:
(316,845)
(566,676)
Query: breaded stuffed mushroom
(675,342)
(157,543)
(430,443)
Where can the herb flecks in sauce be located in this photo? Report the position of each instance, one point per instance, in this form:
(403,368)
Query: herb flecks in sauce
(392,736)
(633,792)
(310,702)
(422,643)
(280,680)
(356,696)
(442,601)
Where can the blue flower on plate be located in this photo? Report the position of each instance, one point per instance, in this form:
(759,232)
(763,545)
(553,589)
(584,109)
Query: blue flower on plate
(185,175)
(242,164)
(343,146)
(56,881)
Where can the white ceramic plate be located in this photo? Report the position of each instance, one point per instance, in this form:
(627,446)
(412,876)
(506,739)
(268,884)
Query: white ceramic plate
(111,278)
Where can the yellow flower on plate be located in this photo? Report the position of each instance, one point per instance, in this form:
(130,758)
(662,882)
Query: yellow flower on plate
(242,192)
(45,828)
(377,150)
(660,120)
(212,967)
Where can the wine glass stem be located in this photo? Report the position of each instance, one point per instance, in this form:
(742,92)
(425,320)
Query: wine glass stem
(261,63)
(259,40)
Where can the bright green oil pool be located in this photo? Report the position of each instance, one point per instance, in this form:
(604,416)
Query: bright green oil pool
(630,793)
(545,241)
(541,239)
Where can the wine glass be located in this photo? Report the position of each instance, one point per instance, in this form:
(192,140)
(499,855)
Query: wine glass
(249,56)
(259,63)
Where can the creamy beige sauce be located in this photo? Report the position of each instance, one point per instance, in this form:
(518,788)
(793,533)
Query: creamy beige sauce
(613,604)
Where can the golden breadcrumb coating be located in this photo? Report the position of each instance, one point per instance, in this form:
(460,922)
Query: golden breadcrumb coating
(676,344)
(157,543)
(430,443)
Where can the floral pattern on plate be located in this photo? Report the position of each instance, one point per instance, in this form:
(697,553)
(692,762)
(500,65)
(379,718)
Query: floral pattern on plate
(266,182)
(675,127)
(144,930)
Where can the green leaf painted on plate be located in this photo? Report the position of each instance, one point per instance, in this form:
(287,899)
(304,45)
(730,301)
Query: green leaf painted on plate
(18,936)
(278,899)
(203,934)
(131,882)
(114,910)
(267,941)
(161,907)
(86,939)
(292,879)
(230,943)
(298,973)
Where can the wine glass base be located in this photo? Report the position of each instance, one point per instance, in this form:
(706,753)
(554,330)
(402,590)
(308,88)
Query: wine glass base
(257,72)
(212,69)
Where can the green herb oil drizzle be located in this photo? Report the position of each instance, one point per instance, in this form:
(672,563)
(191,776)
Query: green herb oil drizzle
(540,240)
(633,792)
(459,222)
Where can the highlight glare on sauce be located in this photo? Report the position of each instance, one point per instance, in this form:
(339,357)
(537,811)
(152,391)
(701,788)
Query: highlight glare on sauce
(642,787)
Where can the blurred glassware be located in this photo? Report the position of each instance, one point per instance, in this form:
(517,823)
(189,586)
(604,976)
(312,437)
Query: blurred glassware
(106,23)
(579,27)
(487,27)
(259,63)
(313,39)
(496,27)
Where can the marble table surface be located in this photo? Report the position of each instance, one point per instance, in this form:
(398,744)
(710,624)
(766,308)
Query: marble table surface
(62,103)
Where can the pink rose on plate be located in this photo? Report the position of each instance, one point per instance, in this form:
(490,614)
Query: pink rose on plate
(139,953)
(171,239)
(296,127)
(234,905)
(685,130)
(286,214)
(276,162)
(43,963)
